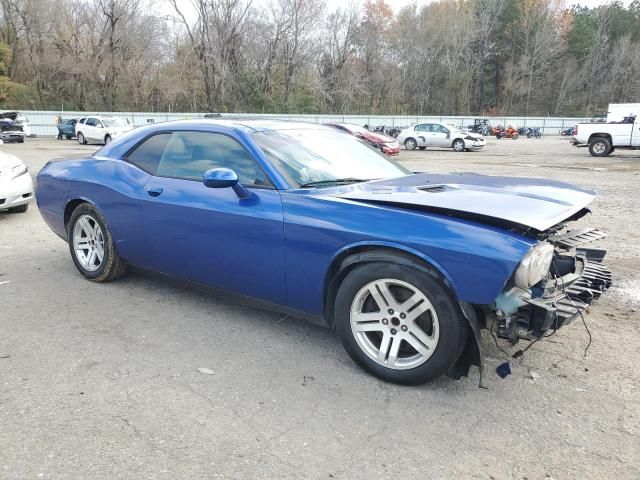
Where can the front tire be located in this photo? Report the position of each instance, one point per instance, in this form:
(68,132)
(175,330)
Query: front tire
(410,144)
(600,147)
(458,145)
(91,245)
(399,323)
(107,140)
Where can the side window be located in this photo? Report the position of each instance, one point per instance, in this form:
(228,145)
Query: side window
(421,128)
(189,154)
(82,121)
(147,155)
(91,122)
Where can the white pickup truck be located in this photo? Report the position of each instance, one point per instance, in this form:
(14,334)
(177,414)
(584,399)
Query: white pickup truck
(620,131)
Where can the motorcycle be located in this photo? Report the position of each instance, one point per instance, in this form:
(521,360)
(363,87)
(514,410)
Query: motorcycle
(534,133)
(509,132)
(568,132)
(480,126)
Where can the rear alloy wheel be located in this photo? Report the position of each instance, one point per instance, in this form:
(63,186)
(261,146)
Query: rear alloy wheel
(91,245)
(410,144)
(399,323)
(458,145)
(600,147)
(81,139)
(107,140)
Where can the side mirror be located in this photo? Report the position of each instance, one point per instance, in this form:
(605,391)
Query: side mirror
(224,178)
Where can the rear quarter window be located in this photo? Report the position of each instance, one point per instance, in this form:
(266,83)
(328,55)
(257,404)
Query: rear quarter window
(147,155)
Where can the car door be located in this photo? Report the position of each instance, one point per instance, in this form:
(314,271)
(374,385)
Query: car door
(210,235)
(422,134)
(89,129)
(635,138)
(440,136)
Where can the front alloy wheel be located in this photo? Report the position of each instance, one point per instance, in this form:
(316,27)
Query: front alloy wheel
(458,145)
(399,323)
(394,324)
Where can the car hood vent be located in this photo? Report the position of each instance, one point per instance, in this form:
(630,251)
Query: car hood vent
(433,189)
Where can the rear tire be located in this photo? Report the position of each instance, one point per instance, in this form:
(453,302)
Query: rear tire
(599,147)
(107,140)
(410,144)
(68,137)
(81,139)
(416,336)
(91,245)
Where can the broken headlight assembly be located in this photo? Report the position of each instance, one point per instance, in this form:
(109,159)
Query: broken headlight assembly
(534,266)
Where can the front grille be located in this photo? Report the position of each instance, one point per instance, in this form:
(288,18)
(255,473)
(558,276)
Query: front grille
(576,238)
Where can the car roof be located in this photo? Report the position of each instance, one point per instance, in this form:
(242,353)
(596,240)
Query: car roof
(250,125)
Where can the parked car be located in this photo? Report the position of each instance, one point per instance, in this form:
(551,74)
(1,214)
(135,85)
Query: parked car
(386,144)
(67,128)
(18,119)
(435,134)
(407,268)
(604,138)
(16,186)
(10,131)
(100,129)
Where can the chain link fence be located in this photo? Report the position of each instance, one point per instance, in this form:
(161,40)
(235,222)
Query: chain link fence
(43,123)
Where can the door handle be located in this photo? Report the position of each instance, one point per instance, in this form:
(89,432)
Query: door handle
(154,192)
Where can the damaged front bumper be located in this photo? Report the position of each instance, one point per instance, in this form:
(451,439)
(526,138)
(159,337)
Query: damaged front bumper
(576,281)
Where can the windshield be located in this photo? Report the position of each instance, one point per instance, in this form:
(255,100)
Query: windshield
(323,156)
(113,122)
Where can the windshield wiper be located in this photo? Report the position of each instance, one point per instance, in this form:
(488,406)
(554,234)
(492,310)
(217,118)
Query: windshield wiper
(335,181)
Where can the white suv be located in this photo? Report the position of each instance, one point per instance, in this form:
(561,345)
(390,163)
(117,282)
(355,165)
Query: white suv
(435,134)
(100,129)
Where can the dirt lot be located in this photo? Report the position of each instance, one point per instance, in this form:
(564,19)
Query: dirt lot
(101,381)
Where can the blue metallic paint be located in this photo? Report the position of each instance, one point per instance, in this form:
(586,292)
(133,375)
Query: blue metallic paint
(277,245)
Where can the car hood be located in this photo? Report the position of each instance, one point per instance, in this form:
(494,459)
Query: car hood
(8,161)
(477,136)
(528,203)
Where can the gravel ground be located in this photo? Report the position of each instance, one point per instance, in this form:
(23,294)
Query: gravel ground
(101,381)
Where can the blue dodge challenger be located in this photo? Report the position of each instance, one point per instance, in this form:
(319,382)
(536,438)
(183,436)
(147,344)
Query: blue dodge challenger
(406,267)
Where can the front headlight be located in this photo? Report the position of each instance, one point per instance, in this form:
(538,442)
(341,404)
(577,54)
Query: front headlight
(18,170)
(534,266)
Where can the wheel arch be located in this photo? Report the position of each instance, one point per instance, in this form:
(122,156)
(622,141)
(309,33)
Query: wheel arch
(606,136)
(70,206)
(456,139)
(351,256)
